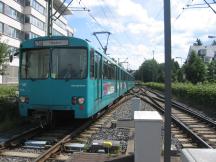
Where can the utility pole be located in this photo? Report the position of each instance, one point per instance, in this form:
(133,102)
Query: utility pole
(50,18)
(168,92)
(153,54)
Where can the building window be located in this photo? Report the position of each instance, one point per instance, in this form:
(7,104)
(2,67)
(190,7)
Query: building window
(31,35)
(13,13)
(55,32)
(21,2)
(1,7)
(60,24)
(12,32)
(37,6)
(34,21)
(1,27)
(37,22)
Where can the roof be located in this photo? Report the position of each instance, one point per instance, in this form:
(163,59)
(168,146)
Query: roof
(210,50)
(58,3)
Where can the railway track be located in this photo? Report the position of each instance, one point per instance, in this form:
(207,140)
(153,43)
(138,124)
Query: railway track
(52,143)
(190,128)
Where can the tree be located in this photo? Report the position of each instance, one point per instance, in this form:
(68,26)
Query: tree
(4,58)
(175,68)
(195,69)
(211,74)
(161,72)
(149,71)
(180,75)
(198,42)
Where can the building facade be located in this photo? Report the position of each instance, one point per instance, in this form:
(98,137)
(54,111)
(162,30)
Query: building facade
(26,19)
(207,53)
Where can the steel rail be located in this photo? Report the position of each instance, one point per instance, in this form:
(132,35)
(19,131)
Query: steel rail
(55,148)
(185,108)
(52,150)
(18,138)
(194,136)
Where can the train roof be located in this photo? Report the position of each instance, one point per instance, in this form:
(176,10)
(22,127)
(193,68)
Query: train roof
(32,43)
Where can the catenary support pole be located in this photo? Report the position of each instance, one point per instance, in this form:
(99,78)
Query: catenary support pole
(167,40)
(50,18)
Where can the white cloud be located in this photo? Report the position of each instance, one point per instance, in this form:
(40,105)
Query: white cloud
(137,27)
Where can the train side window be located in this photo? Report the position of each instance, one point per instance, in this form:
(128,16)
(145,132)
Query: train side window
(105,69)
(92,63)
(96,65)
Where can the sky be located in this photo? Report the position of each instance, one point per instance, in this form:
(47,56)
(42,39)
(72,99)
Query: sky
(137,27)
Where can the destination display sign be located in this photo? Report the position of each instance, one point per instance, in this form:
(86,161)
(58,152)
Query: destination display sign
(62,42)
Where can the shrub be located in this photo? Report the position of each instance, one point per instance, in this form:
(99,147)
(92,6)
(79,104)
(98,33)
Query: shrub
(204,94)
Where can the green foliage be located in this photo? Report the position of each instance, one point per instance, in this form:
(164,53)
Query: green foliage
(195,69)
(175,68)
(4,57)
(198,42)
(180,75)
(211,74)
(8,90)
(204,94)
(151,71)
(9,115)
(161,72)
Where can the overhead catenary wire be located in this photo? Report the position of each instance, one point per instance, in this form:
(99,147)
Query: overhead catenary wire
(177,17)
(210,6)
(196,6)
(101,26)
(63,10)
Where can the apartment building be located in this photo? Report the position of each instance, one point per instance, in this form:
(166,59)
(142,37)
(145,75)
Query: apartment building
(26,19)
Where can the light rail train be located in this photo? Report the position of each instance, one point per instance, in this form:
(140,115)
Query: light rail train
(66,75)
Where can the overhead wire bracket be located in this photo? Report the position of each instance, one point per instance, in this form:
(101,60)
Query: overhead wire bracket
(102,32)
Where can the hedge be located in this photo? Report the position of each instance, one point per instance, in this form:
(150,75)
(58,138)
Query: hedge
(204,94)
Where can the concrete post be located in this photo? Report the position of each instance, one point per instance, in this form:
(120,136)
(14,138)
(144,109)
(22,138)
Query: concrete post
(147,136)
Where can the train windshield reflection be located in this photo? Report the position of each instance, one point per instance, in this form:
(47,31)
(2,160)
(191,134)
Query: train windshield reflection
(69,63)
(35,64)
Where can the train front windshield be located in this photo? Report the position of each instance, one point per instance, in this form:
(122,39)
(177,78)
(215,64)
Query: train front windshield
(58,63)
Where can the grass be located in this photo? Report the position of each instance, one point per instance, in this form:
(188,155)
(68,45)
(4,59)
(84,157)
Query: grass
(8,90)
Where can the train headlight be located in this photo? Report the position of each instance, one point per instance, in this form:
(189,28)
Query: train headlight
(24,99)
(81,100)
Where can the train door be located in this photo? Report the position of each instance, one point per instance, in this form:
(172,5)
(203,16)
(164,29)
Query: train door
(98,75)
(119,81)
(117,78)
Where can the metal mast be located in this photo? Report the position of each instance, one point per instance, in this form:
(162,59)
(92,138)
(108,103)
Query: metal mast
(50,19)
(167,40)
